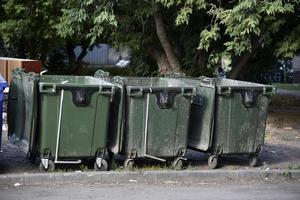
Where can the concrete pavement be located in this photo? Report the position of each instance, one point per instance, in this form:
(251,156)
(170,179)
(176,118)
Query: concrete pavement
(149,177)
(286,191)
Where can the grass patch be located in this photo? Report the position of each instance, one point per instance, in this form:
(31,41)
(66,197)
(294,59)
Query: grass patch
(292,167)
(287,137)
(284,101)
(287,86)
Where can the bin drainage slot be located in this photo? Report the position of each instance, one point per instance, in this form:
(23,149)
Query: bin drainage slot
(146,133)
(58,134)
(164,99)
(249,98)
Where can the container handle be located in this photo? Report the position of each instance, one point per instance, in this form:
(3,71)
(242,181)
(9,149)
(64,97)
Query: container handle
(175,75)
(43,72)
(224,90)
(31,76)
(206,80)
(249,98)
(106,90)
(16,77)
(101,74)
(133,92)
(118,79)
(47,88)
(269,91)
(188,91)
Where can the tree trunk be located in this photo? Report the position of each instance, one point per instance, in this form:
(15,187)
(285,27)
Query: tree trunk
(20,53)
(164,41)
(82,54)
(44,50)
(71,55)
(161,59)
(241,63)
(201,59)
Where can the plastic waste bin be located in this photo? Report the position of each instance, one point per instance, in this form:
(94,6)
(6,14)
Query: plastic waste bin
(66,119)
(230,118)
(22,109)
(149,119)
(16,108)
(3,85)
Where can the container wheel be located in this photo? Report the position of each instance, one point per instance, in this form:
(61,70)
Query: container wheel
(129,164)
(50,167)
(101,164)
(252,160)
(213,161)
(177,164)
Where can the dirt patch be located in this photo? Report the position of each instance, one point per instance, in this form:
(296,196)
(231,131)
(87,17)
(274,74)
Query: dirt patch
(13,159)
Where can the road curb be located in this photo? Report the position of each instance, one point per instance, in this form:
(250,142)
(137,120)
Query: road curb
(146,177)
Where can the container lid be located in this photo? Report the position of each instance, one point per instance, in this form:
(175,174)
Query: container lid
(73,80)
(16,59)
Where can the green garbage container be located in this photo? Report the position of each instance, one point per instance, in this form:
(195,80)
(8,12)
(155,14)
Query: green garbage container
(65,119)
(230,118)
(74,113)
(149,119)
(16,109)
(30,117)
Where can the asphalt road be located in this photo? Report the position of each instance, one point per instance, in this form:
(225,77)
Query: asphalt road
(286,191)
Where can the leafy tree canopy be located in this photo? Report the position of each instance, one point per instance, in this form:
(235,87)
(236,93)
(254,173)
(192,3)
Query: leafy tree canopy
(192,35)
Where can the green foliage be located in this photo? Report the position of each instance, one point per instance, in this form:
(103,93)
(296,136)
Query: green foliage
(183,16)
(219,28)
(27,27)
(38,29)
(290,45)
(248,20)
(235,28)
(208,36)
(88,17)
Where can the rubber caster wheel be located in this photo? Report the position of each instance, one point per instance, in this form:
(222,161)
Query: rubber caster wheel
(50,167)
(129,164)
(100,164)
(177,164)
(213,162)
(253,160)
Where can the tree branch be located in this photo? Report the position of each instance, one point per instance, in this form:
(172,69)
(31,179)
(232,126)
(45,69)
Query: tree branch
(163,38)
(241,64)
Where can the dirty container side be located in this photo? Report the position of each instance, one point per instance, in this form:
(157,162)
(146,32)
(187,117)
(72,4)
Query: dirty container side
(48,115)
(134,126)
(74,116)
(29,83)
(162,128)
(201,120)
(116,121)
(167,128)
(240,111)
(77,124)
(184,108)
(16,109)
(152,118)
(101,124)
